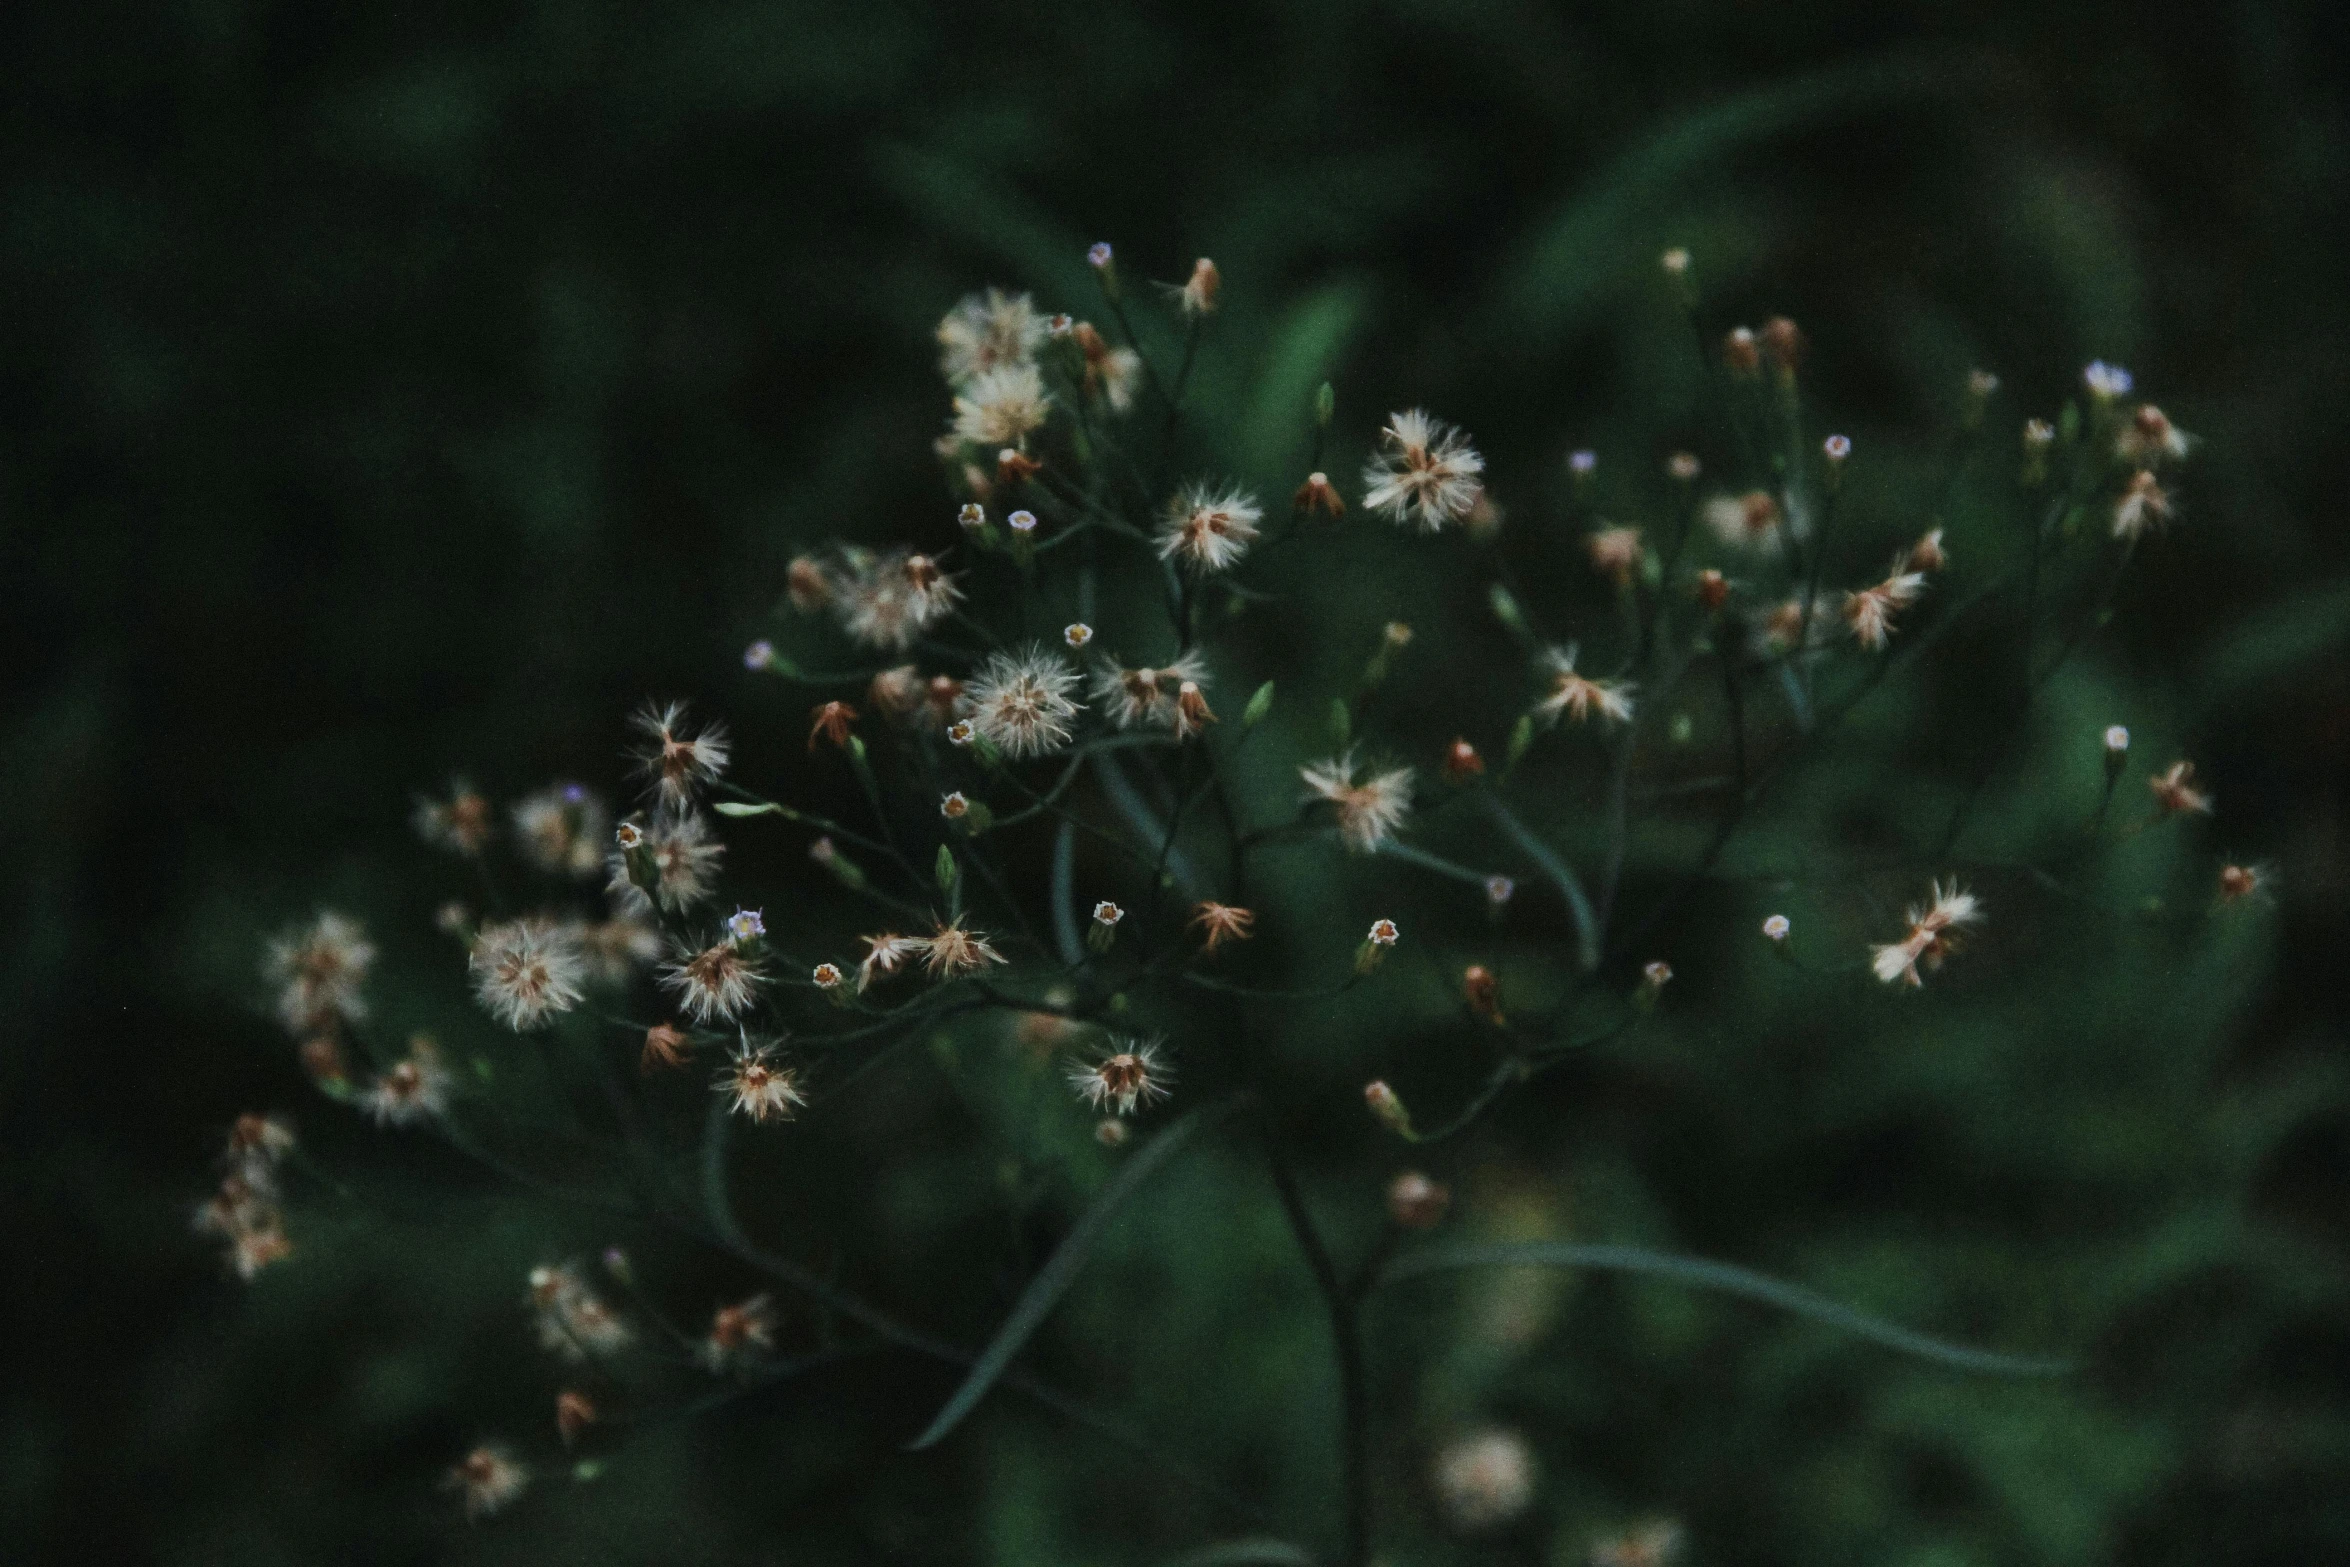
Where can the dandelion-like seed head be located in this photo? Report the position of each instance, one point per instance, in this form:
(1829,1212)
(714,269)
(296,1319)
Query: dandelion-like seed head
(1132,698)
(1870,611)
(487,1479)
(1000,407)
(718,982)
(1370,809)
(1424,473)
(561,830)
(319,971)
(417,1088)
(758,1084)
(1218,923)
(1749,521)
(1578,696)
(1934,932)
(1129,1073)
(886,954)
(1207,529)
(1198,295)
(684,860)
(986,332)
(460,824)
(666,1047)
(1615,553)
(950,951)
(1485,1479)
(2142,505)
(2176,792)
(739,1333)
(1021,702)
(527,971)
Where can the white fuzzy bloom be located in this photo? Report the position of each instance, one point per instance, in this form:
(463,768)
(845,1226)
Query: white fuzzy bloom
(562,830)
(1485,1479)
(1424,473)
(987,332)
(1021,702)
(1207,530)
(1369,811)
(1580,697)
(526,971)
(1000,407)
(319,971)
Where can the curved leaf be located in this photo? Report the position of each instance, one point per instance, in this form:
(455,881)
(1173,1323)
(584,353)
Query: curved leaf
(1241,1553)
(1061,1269)
(1730,1281)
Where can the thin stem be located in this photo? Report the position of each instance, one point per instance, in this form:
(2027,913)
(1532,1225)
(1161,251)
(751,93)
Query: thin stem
(1346,1327)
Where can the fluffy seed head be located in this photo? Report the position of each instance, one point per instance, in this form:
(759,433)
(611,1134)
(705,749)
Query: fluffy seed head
(1485,1479)
(1579,697)
(951,951)
(1934,930)
(562,830)
(2177,793)
(1369,810)
(885,954)
(678,760)
(460,824)
(999,407)
(684,859)
(1615,553)
(1424,473)
(1207,530)
(1749,521)
(986,332)
(721,981)
(527,971)
(2142,504)
(739,1333)
(758,1084)
(1198,295)
(416,1089)
(319,970)
(1129,1073)
(487,1479)
(1021,702)
(666,1046)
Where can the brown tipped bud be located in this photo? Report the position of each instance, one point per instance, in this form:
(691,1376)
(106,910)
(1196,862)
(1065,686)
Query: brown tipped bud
(1461,761)
(830,721)
(1384,934)
(322,1058)
(1927,554)
(1713,589)
(1192,713)
(2238,881)
(1317,494)
(1483,992)
(574,1413)
(1389,1107)
(944,692)
(1013,465)
(1090,343)
(1200,290)
(665,1046)
(806,585)
(1415,1202)
(1654,977)
(1741,354)
(954,807)
(1782,344)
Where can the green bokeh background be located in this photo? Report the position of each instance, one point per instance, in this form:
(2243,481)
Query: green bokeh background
(390,392)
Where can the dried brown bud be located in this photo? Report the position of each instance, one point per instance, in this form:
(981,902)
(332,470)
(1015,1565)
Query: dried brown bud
(1461,761)
(1713,589)
(1483,992)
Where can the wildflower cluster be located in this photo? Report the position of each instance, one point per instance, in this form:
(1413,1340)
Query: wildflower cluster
(1056,828)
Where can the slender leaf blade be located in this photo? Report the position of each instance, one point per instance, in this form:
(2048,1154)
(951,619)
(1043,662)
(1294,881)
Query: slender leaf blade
(1730,1280)
(1061,1270)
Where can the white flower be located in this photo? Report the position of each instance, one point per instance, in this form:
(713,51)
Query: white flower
(1000,407)
(1208,530)
(1424,473)
(1020,702)
(1370,811)
(986,332)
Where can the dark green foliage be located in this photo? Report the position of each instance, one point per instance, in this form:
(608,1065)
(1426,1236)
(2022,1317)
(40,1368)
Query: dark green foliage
(391,393)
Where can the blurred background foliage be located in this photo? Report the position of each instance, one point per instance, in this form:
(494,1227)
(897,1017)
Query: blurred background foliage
(391,391)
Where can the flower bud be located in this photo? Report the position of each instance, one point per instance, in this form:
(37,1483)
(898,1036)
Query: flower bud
(1741,355)
(1483,992)
(1383,935)
(1713,589)
(1461,761)
(1318,495)
(1104,929)
(1415,1202)
(1389,1107)
(2117,751)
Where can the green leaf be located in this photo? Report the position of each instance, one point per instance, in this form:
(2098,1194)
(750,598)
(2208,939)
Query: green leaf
(1258,706)
(945,870)
(1061,1269)
(1742,1282)
(742,808)
(1341,724)
(2276,641)
(1305,348)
